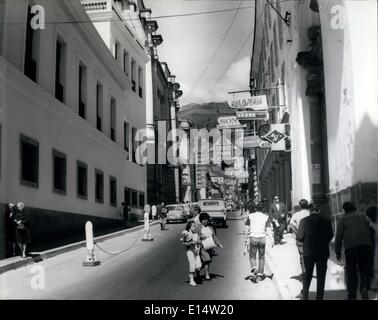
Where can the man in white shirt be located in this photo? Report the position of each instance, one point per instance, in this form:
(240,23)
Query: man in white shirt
(294,224)
(258,224)
(154,212)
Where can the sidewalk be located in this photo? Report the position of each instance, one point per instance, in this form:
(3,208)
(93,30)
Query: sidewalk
(18,262)
(284,260)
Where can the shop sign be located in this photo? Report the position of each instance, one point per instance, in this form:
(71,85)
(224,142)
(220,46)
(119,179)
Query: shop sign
(245,101)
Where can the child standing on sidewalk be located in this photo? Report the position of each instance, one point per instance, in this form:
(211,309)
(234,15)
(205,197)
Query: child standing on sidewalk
(190,239)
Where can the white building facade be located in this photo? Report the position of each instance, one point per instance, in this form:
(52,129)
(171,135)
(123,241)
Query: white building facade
(69,112)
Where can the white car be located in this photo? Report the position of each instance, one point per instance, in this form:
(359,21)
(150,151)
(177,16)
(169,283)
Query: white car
(176,212)
(216,209)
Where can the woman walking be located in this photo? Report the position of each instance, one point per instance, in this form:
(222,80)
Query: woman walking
(209,241)
(190,239)
(22,228)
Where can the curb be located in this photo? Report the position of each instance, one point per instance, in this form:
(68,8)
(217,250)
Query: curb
(40,256)
(278,279)
(20,262)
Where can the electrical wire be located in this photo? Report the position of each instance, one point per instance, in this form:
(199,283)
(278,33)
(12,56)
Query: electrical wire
(153,17)
(237,54)
(137,19)
(216,51)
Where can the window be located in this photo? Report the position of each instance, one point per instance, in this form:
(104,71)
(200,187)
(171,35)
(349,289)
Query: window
(141,199)
(116,50)
(82,90)
(30,64)
(126,62)
(140,82)
(113,119)
(133,144)
(126,134)
(113,191)
(59,172)
(99,186)
(134,198)
(127,194)
(99,92)
(133,64)
(82,180)
(60,63)
(29,154)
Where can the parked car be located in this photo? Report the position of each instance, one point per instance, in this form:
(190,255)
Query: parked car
(176,212)
(216,209)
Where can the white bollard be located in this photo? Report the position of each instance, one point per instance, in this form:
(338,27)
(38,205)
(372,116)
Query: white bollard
(91,258)
(147,232)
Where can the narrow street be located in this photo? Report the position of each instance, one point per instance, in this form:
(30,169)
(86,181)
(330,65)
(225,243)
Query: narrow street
(149,270)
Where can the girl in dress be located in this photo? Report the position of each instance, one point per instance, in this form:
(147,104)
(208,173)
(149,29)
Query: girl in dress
(190,239)
(205,230)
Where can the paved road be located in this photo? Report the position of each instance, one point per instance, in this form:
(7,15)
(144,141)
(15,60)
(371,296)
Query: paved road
(148,270)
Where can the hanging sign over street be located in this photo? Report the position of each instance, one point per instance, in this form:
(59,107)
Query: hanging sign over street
(278,135)
(230,122)
(252,115)
(245,101)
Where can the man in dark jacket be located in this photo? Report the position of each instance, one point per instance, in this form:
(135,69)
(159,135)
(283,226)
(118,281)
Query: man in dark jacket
(277,214)
(315,232)
(354,231)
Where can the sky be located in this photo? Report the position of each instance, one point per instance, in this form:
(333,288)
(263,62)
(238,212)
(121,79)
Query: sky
(190,42)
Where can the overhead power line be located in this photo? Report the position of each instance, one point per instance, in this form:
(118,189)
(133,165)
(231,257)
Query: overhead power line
(216,51)
(153,17)
(237,54)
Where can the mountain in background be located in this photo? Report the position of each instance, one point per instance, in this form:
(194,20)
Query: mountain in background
(205,115)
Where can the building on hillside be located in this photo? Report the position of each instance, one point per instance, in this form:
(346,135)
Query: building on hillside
(72,98)
(320,58)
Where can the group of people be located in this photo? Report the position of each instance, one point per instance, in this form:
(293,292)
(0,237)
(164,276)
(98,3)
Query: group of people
(356,232)
(155,212)
(18,228)
(200,239)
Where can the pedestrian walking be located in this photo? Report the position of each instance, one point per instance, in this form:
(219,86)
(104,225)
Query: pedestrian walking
(11,228)
(209,242)
(277,213)
(163,216)
(154,212)
(22,228)
(315,232)
(353,231)
(196,214)
(294,225)
(257,227)
(191,240)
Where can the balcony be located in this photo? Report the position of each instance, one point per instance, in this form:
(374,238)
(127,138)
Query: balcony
(97,5)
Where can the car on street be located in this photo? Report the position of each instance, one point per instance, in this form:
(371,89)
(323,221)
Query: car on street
(176,212)
(216,209)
